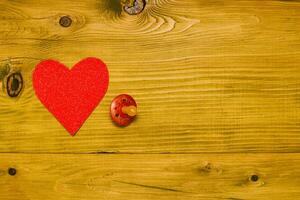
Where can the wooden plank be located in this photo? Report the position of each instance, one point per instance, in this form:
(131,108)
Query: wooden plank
(147,177)
(208,76)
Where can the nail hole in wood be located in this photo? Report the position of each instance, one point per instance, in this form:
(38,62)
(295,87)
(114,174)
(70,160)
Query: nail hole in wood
(134,7)
(12,171)
(65,21)
(254,178)
(14,84)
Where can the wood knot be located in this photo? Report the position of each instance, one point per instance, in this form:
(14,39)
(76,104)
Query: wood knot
(65,21)
(208,168)
(254,178)
(133,7)
(12,171)
(14,84)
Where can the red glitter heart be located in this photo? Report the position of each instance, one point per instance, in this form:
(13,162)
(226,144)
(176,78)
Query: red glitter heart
(71,95)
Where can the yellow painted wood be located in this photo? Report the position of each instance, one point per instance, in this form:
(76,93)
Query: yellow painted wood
(208,76)
(148,177)
(217,84)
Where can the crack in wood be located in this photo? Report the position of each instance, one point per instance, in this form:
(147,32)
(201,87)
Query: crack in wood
(152,187)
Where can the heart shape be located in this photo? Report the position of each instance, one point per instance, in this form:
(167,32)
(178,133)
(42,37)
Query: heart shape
(71,95)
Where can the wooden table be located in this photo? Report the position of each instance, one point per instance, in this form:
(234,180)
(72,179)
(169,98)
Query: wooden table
(217,84)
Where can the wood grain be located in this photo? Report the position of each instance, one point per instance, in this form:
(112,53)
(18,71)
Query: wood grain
(208,76)
(217,84)
(147,177)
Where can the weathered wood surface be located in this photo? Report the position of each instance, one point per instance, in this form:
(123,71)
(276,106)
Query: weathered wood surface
(209,76)
(148,177)
(214,80)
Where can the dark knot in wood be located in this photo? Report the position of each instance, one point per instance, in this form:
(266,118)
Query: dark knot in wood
(65,21)
(14,84)
(12,171)
(134,7)
(254,178)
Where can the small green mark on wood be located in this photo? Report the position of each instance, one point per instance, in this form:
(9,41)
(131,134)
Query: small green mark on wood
(114,5)
(4,70)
